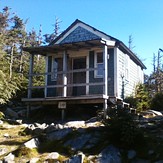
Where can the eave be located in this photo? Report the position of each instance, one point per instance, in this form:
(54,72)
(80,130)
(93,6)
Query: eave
(75,46)
(124,48)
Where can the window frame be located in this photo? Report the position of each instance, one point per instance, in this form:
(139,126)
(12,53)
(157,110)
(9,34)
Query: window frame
(96,72)
(54,71)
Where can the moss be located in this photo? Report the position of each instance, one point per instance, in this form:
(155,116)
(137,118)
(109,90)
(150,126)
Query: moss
(56,145)
(2,116)
(27,152)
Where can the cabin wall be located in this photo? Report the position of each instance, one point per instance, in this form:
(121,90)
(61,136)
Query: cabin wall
(51,92)
(129,74)
(94,89)
(111,68)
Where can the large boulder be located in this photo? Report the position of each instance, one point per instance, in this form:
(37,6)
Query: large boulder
(53,155)
(75,124)
(78,142)
(9,158)
(33,143)
(79,158)
(11,113)
(110,154)
(59,134)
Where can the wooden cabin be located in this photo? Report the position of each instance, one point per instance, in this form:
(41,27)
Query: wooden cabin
(85,66)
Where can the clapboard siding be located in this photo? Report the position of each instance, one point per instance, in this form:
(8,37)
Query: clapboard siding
(135,74)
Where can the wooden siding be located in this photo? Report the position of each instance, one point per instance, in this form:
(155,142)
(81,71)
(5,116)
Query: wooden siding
(92,79)
(135,74)
(111,72)
(79,34)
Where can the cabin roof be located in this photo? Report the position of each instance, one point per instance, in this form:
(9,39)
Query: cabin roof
(59,45)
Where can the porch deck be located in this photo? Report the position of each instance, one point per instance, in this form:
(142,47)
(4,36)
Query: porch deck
(85,99)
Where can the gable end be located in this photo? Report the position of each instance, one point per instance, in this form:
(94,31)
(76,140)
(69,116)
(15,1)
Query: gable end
(78,35)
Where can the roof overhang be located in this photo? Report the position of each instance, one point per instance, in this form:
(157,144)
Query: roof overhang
(124,48)
(75,46)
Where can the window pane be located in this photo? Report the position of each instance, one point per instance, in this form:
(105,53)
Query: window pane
(100,69)
(99,57)
(54,70)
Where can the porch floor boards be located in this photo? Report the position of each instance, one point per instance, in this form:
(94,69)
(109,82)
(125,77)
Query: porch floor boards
(86,99)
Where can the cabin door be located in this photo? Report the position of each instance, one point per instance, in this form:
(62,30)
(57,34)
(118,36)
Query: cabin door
(79,77)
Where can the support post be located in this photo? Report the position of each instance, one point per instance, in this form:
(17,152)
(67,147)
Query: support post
(63,114)
(105,77)
(46,77)
(105,70)
(64,74)
(28,110)
(30,75)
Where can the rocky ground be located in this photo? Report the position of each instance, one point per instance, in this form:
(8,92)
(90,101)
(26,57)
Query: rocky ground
(82,141)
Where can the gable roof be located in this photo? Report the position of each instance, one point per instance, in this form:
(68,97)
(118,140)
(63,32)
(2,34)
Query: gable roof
(77,26)
(95,33)
(82,34)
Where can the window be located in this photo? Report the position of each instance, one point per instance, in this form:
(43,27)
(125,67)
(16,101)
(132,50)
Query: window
(54,69)
(99,65)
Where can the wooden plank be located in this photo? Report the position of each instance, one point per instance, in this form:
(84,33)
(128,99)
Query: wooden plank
(64,74)
(30,77)
(93,99)
(68,85)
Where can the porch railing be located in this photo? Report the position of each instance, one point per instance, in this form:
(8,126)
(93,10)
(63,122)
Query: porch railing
(41,90)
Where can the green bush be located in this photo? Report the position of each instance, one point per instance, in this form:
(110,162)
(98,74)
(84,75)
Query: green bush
(157,101)
(123,130)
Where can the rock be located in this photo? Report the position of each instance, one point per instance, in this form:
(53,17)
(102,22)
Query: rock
(160,161)
(76,159)
(9,158)
(90,158)
(53,155)
(22,113)
(50,128)
(11,113)
(138,160)
(59,134)
(19,121)
(34,160)
(3,151)
(6,135)
(1,122)
(79,142)
(150,152)
(59,126)
(110,154)
(131,154)
(37,131)
(33,143)
(75,124)
(155,112)
(93,124)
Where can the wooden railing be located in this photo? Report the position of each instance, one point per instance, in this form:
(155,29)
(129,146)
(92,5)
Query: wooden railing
(33,87)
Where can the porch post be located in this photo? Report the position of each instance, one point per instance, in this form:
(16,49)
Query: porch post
(105,69)
(64,74)
(46,77)
(105,78)
(30,75)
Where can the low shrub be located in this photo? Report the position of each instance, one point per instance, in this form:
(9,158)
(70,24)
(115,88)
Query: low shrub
(156,102)
(123,130)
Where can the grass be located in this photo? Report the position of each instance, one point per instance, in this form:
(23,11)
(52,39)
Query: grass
(12,140)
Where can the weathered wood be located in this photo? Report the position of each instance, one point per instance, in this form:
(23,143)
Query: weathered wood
(30,77)
(68,85)
(91,99)
(105,71)
(64,74)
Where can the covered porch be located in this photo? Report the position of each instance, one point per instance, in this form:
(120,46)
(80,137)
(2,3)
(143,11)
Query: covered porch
(72,81)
